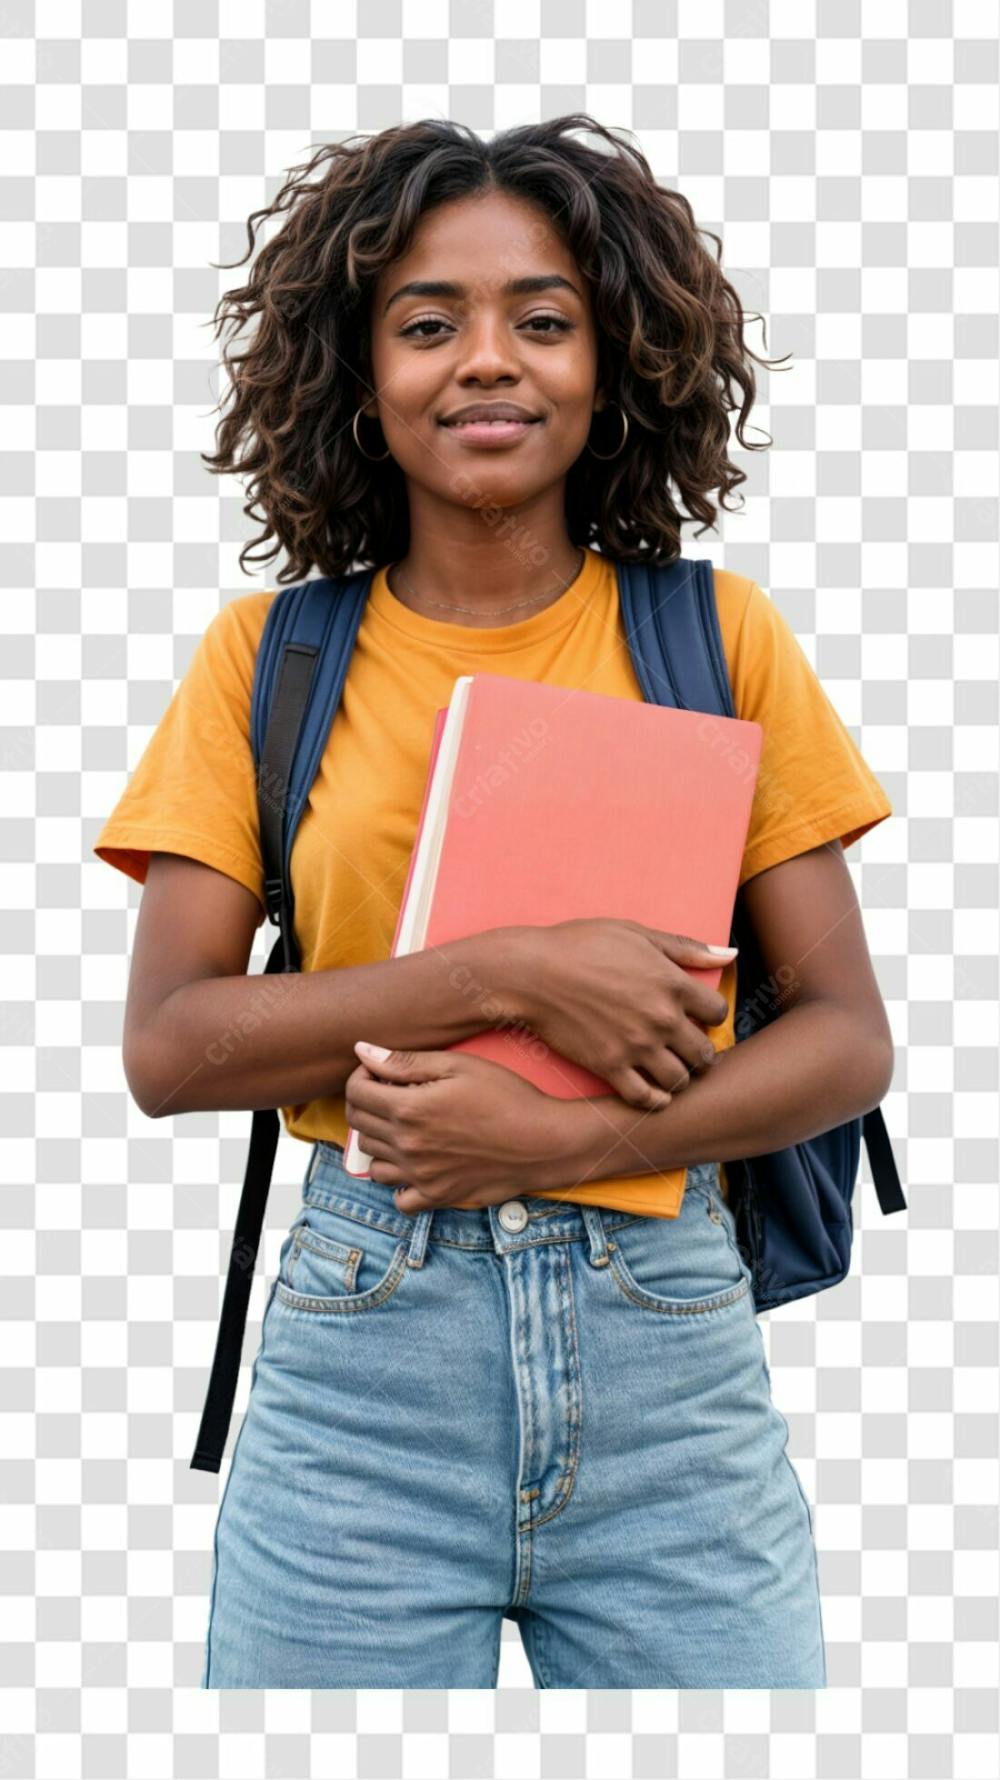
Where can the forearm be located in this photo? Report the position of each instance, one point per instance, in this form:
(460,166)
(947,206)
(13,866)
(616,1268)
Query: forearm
(804,1073)
(248,1042)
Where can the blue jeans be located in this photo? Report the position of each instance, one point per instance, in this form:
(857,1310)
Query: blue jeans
(551,1413)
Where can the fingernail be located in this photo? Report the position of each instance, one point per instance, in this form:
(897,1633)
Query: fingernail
(723,951)
(378,1052)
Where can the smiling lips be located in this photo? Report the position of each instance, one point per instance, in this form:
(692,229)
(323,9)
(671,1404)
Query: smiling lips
(490,432)
(489,411)
(491,423)
(459,424)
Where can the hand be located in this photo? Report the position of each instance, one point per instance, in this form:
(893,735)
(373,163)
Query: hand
(450,1127)
(615,997)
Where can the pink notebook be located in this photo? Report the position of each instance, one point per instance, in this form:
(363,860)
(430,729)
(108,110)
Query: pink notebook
(544,804)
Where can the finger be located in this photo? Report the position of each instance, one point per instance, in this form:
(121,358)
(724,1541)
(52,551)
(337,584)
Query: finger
(378,1147)
(386,1173)
(405,1066)
(688,1052)
(410,1200)
(378,1098)
(368,1124)
(697,1000)
(681,948)
(636,1091)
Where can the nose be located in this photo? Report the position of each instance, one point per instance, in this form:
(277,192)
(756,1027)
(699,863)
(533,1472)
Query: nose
(489,350)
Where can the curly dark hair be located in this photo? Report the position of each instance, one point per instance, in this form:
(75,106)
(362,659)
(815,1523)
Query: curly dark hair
(669,327)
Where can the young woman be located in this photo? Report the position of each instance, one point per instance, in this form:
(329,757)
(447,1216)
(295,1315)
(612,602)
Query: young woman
(517,1372)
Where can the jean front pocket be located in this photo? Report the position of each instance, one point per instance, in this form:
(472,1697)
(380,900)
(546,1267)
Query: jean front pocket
(682,1266)
(332,1261)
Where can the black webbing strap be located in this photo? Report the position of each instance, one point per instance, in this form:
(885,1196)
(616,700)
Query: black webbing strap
(274,775)
(218,1411)
(883,1162)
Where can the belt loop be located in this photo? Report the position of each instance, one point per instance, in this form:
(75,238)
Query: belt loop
(420,1237)
(313,1164)
(595,1230)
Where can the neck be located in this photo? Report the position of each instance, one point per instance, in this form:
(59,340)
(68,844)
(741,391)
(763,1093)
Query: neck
(485,564)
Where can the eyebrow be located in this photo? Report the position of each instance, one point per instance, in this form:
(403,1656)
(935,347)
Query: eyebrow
(515,287)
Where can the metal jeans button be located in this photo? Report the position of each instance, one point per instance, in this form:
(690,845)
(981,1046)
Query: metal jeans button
(513,1214)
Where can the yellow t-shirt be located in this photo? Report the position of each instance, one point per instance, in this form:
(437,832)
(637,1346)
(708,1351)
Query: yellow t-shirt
(193,790)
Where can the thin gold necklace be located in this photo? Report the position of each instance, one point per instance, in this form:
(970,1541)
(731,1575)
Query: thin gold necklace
(477,611)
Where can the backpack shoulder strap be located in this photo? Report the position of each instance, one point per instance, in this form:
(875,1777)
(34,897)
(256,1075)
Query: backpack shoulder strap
(672,624)
(302,662)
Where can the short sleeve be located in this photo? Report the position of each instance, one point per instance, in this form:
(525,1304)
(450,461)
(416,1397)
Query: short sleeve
(193,790)
(814,784)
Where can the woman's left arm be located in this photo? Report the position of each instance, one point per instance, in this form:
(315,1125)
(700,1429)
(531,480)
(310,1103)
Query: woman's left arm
(827,1057)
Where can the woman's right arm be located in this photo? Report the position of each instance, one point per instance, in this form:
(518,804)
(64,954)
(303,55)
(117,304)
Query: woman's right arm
(202,1036)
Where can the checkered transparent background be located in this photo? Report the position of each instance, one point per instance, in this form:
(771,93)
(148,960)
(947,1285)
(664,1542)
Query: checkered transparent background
(850,166)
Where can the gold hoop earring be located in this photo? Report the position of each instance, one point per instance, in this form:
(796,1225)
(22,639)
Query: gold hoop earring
(606,456)
(374,460)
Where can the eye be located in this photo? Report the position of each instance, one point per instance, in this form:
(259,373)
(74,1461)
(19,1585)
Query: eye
(558,322)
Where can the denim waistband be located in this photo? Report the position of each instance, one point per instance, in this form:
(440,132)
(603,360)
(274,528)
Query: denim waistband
(548,1220)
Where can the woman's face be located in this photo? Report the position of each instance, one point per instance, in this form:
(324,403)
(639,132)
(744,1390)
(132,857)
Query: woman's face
(483,340)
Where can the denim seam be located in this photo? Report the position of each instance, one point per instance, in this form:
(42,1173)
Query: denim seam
(316,1306)
(727,1221)
(648,1301)
(401,1226)
(543,1668)
(575,1420)
(331,1250)
(207,1683)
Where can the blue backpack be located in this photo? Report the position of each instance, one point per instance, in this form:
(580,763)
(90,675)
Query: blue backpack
(792,1206)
